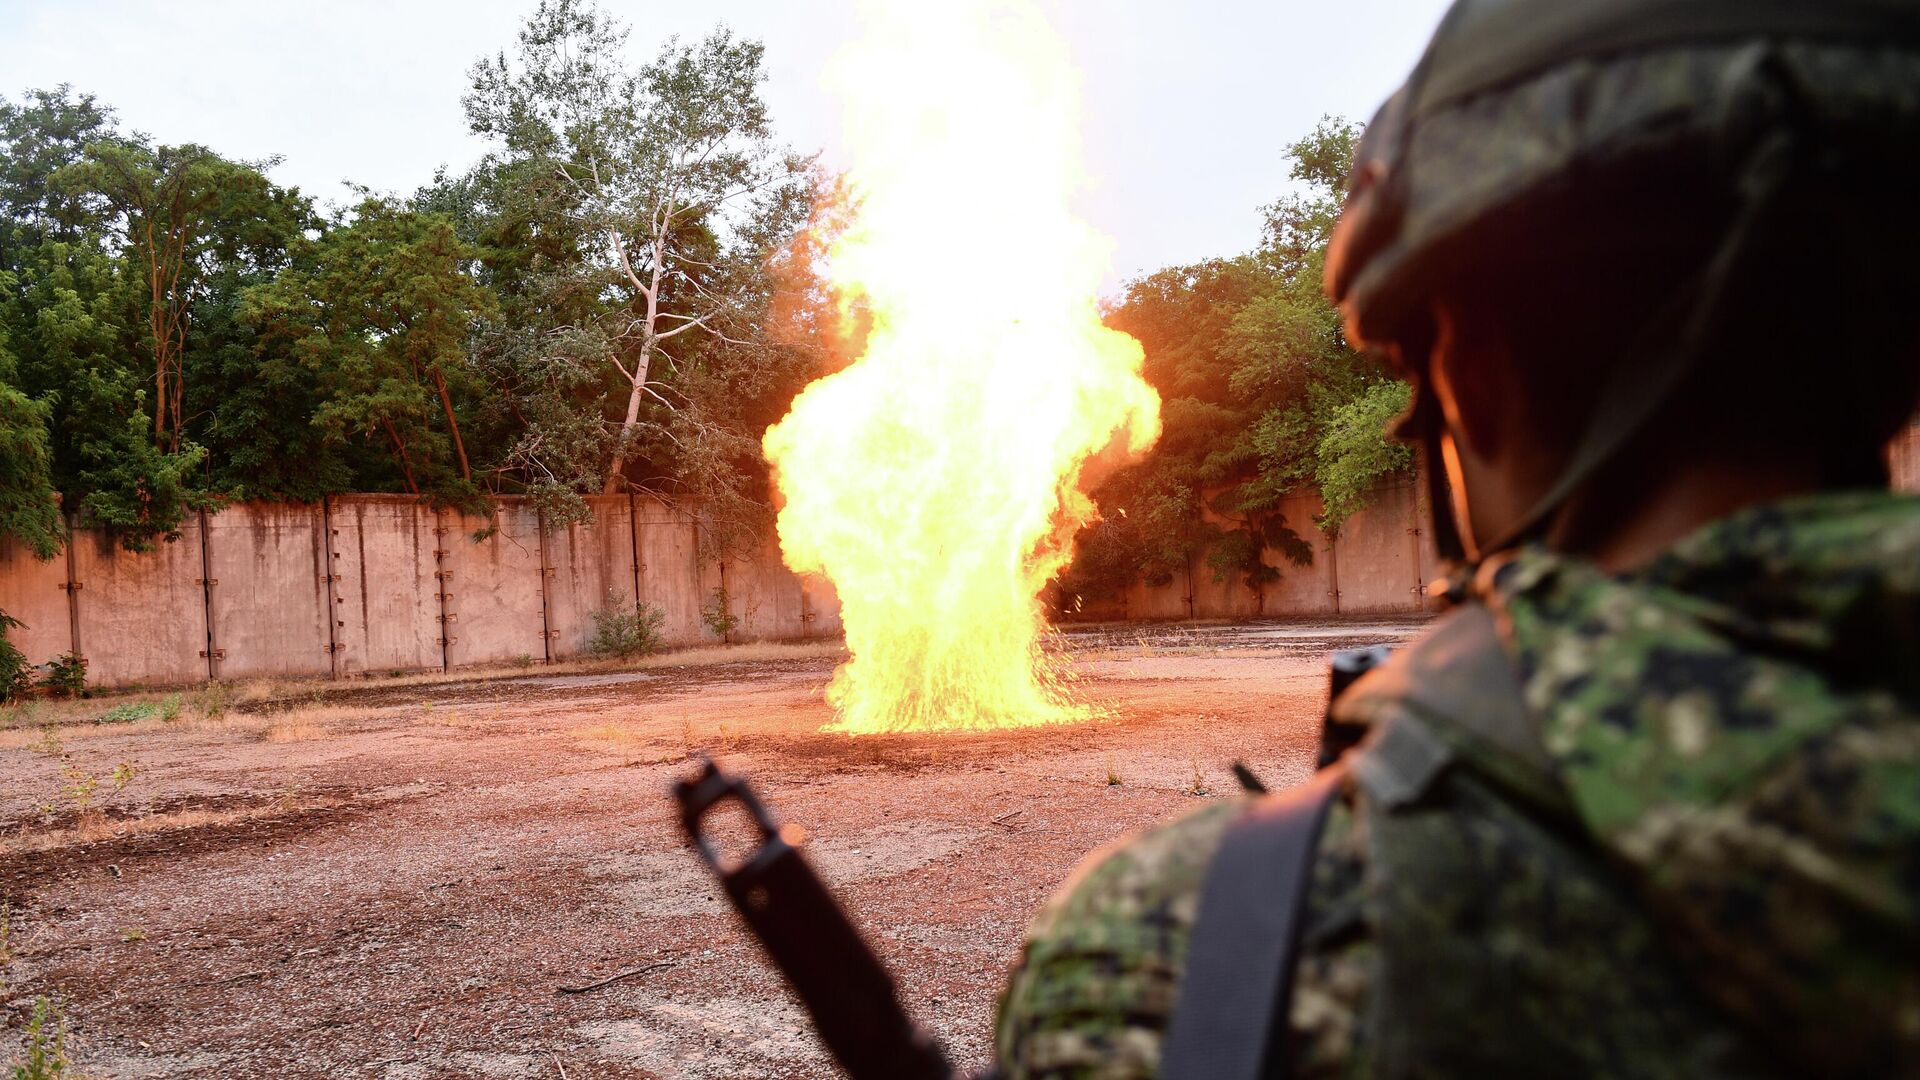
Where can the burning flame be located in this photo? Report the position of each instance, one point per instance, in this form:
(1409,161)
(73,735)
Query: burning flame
(936,480)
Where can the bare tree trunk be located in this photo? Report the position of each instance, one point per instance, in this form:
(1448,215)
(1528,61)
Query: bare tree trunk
(156,326)
(642,364)
(626,426)
(459,447)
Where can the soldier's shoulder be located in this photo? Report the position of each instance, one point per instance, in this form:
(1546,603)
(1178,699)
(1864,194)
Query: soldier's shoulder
(1100,969)
(1160,868)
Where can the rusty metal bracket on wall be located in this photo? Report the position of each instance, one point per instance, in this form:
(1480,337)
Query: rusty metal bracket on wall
(72,585)
(633,541)
(547,632)
(213,652)
(329,577)
(1333,569)
(441,573)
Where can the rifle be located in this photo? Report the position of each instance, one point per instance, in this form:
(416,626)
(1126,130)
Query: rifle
(809,938)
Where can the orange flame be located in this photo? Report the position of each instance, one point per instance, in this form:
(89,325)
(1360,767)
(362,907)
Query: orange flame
(936,480)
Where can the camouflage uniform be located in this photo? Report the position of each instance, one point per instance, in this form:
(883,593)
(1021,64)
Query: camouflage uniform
(1669,826)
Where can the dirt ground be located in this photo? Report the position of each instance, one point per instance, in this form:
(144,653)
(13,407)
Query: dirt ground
(398,882)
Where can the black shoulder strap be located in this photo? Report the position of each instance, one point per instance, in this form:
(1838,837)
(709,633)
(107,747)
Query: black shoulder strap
(1230,1020)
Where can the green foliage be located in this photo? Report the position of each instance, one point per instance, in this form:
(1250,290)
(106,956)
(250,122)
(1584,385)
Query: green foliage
(622,630)
(213,702)
(129,712)
(16,675)
(66,676)
(589,309)
(1261,398)
(381,315)
(1355,453)
(718,614)
(29,506)
(74,317)
(636,216)
(46,1044)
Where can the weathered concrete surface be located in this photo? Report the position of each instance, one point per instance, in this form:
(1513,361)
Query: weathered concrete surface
(822,615)
(30,590)
(1380,563)
(385,596)
(593,565)
(494,605)
(766,597)
(143,616)
(1299,588)
(671,575)
(1382,545)
(269,597)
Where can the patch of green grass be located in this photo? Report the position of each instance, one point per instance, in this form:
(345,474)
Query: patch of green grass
(46,1045)
(128,713)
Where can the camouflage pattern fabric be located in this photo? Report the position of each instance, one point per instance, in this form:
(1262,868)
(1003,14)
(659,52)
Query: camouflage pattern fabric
(1677,834)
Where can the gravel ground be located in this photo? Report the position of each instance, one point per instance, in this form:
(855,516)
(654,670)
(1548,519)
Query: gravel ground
(397,882)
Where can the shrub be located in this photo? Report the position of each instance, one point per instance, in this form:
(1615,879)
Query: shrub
(623,631)
(66,675)
(128,713)
(212,702)
(16,677)
(718,614)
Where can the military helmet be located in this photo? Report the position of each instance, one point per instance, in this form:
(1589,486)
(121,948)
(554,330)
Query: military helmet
(1564,126)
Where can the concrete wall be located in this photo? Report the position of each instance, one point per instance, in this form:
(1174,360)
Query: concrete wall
(592,564)
(142,616)
(495,608)
(267,591)
(35,592)
(383,583)
(1379,563)
(386,597)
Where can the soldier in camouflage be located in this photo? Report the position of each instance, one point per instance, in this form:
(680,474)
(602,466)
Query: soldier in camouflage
(1646,801)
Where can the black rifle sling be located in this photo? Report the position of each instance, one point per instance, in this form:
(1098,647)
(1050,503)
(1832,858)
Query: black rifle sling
(1230,1019)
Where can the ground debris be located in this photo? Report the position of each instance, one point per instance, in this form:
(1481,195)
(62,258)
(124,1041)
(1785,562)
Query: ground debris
(614,978)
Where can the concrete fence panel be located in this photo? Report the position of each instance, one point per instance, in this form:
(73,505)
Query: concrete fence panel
(385,595)
(822,606)
(143,615)
(495,610)
(1308,589)
(1379,555)
(767,598)
(267,591)
(1156,603)
(671,575)
(589,560)
(35,592)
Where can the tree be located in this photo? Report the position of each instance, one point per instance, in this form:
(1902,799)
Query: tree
(667,187)
(170,201)
(1262,397)
(29,506)
(384,316)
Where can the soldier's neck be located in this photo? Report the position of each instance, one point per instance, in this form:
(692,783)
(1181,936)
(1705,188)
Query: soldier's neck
(1636,514)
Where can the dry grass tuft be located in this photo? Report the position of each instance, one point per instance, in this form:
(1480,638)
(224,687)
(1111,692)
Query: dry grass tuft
(252,707)
(612,733)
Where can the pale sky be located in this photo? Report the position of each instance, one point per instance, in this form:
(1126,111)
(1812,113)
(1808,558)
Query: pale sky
(1188,105)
